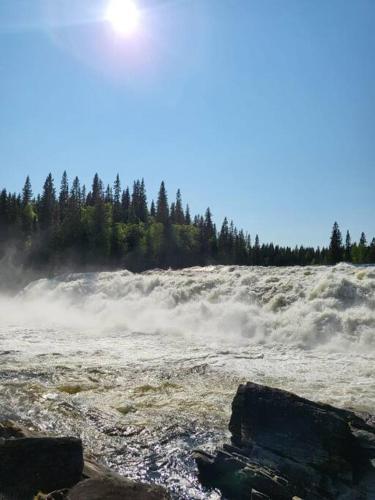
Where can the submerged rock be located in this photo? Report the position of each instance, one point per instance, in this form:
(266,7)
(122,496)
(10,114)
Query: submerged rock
(285,447)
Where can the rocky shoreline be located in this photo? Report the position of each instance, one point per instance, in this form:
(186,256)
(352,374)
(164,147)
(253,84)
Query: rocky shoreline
(36,467)
(282,447)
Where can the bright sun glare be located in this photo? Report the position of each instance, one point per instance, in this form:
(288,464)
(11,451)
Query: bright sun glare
(124,16)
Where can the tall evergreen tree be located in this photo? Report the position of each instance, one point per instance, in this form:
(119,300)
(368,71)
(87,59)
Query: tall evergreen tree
(96,191)
(63,196)
(117,200)
(187,216)
(27,192)
(125,205)
(142,208)
(172,213)
(47,206)
(27,213)
(362,249)
(335,247)
(256,251)
(348,248)
(162,208)
(179,211)
(371,253)
(152,209)
(108,198)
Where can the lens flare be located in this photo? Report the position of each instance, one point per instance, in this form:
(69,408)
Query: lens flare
(124,16)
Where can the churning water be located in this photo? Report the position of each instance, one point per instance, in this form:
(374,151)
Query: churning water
(144,366)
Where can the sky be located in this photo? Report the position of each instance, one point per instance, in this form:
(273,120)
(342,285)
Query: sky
(263,110)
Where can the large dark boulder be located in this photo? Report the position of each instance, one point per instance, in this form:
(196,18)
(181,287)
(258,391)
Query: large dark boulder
(35,464)
(283,446)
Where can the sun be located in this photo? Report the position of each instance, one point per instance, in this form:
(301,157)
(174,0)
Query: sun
(124,16)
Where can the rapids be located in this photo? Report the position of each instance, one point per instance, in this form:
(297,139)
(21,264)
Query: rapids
(144,366)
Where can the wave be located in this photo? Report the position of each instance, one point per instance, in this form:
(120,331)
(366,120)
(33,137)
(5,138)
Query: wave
(308,307)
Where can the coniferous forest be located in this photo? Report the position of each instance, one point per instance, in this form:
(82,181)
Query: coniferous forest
(111,227)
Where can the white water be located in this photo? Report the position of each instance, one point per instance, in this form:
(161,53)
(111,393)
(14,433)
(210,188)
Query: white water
(144,366)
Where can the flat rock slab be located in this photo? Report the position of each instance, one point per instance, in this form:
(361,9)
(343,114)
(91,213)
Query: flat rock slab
(113,488)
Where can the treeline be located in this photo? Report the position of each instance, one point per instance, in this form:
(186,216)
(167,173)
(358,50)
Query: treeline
(111,227)
(356,253)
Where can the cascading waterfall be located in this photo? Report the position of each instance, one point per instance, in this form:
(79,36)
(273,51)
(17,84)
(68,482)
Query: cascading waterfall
(143,366)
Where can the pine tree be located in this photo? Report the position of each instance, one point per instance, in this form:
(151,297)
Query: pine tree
(117,200)
(152,209)
(47,204)
(162,209)
(172,213)
(76,196)
(371,253)
(348,248)
(363,240)
(27,193)
(4,220)
(187,216)
(27,213)
(125,205)
(179,212)
(256,252)
(362,249)
(63,196)
(335,247)
(142,207)
(96,191)
(209,227)
(108,198)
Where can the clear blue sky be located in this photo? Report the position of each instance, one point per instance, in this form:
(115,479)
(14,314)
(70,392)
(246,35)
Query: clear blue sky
(262,109)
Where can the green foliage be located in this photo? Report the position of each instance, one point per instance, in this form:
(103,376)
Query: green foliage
(113,229)
(335,248)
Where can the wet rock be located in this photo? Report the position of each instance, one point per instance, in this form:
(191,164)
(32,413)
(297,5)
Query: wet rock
(116,488)
(10,429)
(39,464)
(284,446)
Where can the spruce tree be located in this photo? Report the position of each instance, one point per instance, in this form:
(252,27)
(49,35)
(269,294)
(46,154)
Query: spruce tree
(142,203)
(162,209)
(117,200)
(371,253)
(96,191)
(27,193)
(125,205)
(179,211)
(335,247)
(27,213)
(172,213)
(108,198)
(187,216)
(47,206)
(256,252)
(152,209)
(362,249)
(348,248)
(63,196)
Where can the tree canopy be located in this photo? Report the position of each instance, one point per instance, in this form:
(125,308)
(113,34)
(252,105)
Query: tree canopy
(112,228)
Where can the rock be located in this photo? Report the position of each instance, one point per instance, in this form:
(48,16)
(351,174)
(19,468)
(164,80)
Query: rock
(285,446)
(39,464)
(116,488)
(10,429)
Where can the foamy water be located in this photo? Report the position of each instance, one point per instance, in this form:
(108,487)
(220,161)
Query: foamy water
(144,367)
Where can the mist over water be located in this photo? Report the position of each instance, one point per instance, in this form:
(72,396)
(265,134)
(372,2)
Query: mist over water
(144,366)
